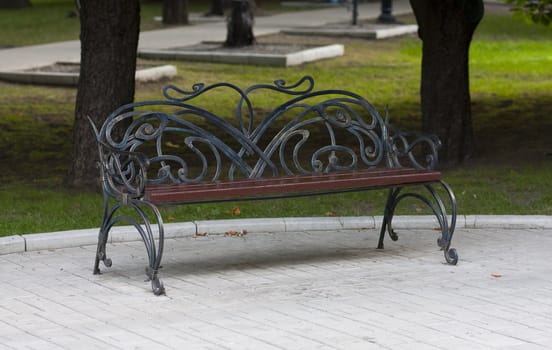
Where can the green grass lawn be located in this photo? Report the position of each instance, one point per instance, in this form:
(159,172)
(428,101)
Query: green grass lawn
(511,86)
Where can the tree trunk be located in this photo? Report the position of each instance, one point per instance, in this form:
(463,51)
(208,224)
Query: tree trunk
(217,8)
(109,41)
(14,4)
(240,25)
(175,11)
(446,28)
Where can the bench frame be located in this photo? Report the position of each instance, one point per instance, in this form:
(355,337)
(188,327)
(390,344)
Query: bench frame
(252,166)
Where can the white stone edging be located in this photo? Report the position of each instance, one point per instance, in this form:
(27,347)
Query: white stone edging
(75,238)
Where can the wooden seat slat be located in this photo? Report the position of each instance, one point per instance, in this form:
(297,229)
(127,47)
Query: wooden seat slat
(304,184)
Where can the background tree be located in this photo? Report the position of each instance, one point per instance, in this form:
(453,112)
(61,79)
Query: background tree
(539,11)
(175,12)
(240,25)
(446,28)
(109,41)
(217,7)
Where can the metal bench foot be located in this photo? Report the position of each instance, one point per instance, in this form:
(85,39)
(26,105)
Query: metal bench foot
(101,254)
(388,217)
(451,256)
(157,286)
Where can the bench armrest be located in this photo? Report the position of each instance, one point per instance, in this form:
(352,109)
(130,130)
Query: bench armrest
(124,173)
(412,149)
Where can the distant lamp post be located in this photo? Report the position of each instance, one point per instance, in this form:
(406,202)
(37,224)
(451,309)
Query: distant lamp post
(386,12)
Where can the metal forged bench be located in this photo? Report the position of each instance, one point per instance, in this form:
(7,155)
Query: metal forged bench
(180,150)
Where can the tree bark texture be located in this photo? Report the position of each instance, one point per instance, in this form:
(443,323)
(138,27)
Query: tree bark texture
(175,12)
(446,28)
(109,41)
(240,25)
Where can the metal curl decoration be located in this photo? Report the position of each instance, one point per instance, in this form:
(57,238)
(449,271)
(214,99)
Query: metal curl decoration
(122,168)
(196,89)
(333,160)
(371,153)
(402,145)
(280,86)
(341,116)
(297,164)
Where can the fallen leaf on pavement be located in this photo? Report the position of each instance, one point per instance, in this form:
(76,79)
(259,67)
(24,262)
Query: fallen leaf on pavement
(233,233)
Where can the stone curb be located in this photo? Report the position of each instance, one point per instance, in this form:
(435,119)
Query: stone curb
(375,32)
(260,59)
(72,79)
(76,238)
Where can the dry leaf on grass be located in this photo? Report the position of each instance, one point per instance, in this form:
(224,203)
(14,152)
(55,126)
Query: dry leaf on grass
(236,211)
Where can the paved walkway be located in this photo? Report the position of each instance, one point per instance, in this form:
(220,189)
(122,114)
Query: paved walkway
(43,55)
(289,290)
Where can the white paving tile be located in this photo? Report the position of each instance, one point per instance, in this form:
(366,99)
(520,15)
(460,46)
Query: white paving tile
(287,290)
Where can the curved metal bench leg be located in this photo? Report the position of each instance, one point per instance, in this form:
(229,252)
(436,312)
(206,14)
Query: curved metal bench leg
(101,254)
(437,207)
(154,251)
(388,217)
(103,235)
(144,227)
(447,231)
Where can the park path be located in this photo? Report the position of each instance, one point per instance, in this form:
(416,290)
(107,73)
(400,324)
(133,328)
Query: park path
(289,290)
(69,51)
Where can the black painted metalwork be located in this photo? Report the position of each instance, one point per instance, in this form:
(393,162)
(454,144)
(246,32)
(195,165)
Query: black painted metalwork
(183,139)
(437,206)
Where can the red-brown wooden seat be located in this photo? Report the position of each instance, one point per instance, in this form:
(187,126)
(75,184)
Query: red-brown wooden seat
(286,186)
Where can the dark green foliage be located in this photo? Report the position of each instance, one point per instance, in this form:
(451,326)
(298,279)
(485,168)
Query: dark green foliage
(539,11)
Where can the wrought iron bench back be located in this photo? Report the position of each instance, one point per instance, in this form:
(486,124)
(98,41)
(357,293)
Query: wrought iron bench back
(184,139)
